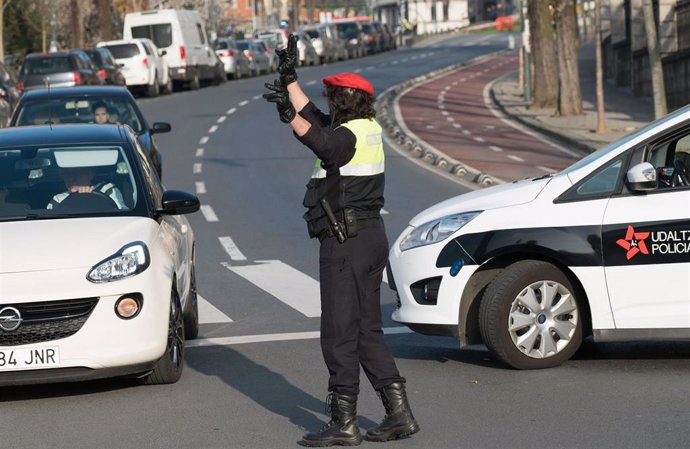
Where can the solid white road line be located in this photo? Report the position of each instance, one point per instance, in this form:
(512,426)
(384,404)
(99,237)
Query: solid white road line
(244,103)
(264,338)
(203,140)
(515,158)
(221,119)
(199,152)
(232,249)
(287,284)
(200,187)
(231,111)
(213,129)
(208,313)
(196,168)
(208,213)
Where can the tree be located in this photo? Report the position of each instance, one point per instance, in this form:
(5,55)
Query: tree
(658,86)
(105,12)
(75,24)
(543,50)
(601,117)
(569,94)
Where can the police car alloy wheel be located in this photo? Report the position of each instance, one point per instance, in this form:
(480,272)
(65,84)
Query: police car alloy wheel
(529,316)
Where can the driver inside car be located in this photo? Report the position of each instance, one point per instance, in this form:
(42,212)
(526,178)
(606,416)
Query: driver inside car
(80,180)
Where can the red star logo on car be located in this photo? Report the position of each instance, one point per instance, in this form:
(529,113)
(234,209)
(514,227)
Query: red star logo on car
(633,242)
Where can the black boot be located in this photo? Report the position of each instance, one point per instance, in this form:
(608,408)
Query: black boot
(342,429)
(398,422)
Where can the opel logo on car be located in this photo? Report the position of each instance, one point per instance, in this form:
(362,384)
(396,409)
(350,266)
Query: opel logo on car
(10,319)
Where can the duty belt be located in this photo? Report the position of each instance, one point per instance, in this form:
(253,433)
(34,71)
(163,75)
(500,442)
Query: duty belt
(362,223)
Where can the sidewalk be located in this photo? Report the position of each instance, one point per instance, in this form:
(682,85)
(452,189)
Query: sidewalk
(624,112)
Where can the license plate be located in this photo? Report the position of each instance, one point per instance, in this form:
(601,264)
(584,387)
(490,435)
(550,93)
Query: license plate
(29,358)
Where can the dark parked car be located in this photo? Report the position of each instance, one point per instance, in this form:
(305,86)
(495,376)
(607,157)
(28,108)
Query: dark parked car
(372,38)
(108,70)
(61,69)
(9,94)
(78,104)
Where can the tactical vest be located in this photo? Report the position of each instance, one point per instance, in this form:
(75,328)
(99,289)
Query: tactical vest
(357,185)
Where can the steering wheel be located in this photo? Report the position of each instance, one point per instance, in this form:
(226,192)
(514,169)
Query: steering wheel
(682,173)
(88,202)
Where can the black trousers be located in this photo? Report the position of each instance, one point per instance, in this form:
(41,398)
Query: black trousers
(351,334)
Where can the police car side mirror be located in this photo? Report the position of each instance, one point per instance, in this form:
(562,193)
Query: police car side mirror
(642,177)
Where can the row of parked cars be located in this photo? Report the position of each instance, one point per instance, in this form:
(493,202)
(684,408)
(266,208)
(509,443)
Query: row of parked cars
(316,44)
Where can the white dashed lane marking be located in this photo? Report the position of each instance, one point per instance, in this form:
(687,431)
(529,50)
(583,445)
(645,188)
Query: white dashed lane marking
(229,246)
(244,103)
(196,168)
(199,152)
(495,148)
(221,119)
(213,129)
(231,111)
(515,158)
(208,213)
(311,83)
(200,187)
(203,140)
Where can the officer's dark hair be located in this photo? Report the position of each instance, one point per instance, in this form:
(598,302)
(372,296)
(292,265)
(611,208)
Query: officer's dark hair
(349,104)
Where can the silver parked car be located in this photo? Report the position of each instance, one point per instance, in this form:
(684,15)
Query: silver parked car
(339,45)
(324,47)
(255,51)
(235,62)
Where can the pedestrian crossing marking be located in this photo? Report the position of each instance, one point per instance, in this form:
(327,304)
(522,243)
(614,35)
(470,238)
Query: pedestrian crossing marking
(208,313)
(285,283)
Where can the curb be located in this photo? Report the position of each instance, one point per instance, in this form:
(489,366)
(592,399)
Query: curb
(408,144)
(536,125)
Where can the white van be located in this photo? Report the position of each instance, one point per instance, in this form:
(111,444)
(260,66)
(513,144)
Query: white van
(182,34)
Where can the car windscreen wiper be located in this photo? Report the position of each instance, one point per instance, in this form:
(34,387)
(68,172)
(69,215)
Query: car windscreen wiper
(37,217)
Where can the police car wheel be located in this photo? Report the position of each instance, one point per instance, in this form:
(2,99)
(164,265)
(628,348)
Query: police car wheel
(529,316)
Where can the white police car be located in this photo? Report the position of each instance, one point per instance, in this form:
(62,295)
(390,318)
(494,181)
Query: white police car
(532,267)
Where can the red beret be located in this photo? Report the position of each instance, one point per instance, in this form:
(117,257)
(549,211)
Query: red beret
(349,80)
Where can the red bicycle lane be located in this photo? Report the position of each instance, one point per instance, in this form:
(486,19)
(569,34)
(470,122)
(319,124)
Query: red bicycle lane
(450,114)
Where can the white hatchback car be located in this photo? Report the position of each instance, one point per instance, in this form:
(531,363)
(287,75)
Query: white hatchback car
(143,65)
(531,267)
(97,262)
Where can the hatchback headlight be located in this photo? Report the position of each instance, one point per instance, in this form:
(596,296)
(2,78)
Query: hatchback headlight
(436,230)
(129,261)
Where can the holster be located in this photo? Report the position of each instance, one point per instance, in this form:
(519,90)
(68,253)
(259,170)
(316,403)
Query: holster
(351,226)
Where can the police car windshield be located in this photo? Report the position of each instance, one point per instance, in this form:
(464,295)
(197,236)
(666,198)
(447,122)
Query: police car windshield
(65,181)
(603,152)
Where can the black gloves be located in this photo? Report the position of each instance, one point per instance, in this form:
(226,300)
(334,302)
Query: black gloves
(288,59)
(280,96)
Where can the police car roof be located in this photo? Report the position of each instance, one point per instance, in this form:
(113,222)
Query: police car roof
(45,135)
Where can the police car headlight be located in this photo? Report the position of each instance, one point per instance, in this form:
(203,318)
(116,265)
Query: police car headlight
(436,231)
(129,261)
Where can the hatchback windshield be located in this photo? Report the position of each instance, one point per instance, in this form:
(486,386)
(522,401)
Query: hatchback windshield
(46,182)
(78,110)
(123,51)
(47,65)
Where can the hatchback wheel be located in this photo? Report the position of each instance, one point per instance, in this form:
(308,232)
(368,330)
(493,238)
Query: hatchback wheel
(191,313)
(169,367)
(529,316)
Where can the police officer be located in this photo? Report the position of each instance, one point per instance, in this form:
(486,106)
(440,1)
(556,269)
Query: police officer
(347,184)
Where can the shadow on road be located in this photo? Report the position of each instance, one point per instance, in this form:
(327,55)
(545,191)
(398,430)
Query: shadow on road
(264,386)
(45,391)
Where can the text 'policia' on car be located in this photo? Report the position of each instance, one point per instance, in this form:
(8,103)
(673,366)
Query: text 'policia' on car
(531,267)
(97,261)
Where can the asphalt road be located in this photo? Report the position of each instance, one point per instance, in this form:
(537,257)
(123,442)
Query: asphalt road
(255,377)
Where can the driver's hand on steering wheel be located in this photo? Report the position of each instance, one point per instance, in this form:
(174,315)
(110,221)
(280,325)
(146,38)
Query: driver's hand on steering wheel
(81,189)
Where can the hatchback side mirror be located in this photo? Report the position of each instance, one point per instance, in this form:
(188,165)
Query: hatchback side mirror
(160,127)
(177,202)
(642,177)
(162,52)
